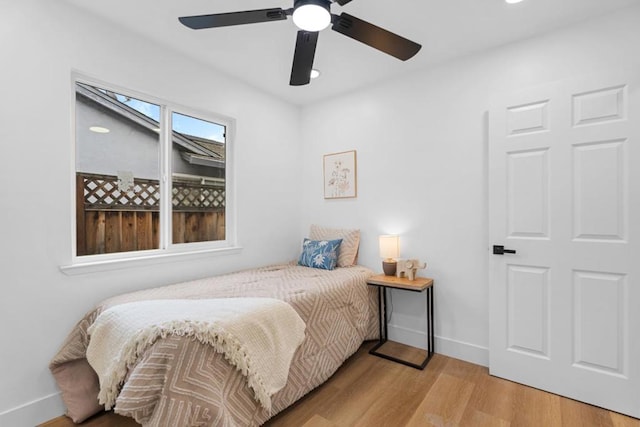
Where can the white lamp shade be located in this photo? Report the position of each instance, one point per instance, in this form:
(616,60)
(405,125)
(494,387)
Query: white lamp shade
(389,246)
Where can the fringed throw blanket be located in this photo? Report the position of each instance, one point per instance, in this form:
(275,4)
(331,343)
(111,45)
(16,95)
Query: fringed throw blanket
(256,335)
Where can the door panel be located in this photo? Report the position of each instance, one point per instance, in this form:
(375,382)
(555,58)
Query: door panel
(600,190)
(528,118)
(564,192)
(528,318)
(599,106)
(600,340)
(528,194)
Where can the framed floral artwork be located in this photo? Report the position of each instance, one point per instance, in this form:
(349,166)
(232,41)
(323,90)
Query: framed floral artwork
(340,179)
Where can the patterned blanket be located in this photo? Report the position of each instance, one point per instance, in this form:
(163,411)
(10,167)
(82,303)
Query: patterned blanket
(179,381)
(256,335)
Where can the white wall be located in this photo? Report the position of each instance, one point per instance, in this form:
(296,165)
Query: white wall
(41,41)
(421,145)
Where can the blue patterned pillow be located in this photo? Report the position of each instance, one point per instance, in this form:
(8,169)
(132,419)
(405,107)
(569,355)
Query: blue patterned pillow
(320,253)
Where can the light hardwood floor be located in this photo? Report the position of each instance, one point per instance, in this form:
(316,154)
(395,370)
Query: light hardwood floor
(368,391)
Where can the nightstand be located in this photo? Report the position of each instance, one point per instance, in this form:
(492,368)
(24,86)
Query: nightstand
(419,285)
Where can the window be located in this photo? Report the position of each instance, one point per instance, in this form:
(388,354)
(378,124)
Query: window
(149,176)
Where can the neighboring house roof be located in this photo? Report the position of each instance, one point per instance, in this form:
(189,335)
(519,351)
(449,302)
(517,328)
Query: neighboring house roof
(208,144)
(195,150)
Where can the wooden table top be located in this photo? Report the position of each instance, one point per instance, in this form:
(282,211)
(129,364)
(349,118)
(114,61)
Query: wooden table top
(417,285)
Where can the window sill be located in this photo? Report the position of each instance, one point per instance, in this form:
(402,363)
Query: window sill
(144,260)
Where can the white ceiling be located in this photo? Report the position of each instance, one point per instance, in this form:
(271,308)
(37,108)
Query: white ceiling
(261,54)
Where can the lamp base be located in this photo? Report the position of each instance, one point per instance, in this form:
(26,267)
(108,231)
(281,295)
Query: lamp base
(389,268)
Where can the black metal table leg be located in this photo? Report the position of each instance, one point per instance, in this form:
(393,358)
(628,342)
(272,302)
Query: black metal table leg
(383,327)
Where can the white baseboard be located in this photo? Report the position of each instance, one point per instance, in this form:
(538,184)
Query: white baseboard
(457,349)
(33,413)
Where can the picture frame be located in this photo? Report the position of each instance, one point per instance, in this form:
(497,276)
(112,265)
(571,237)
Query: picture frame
(340,175)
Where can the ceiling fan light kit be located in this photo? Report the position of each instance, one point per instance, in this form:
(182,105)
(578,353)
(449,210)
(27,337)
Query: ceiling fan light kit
(312,16)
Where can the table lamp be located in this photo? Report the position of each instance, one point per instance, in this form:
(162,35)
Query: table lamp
(389,250)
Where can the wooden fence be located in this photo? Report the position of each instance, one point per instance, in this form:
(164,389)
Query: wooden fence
(109,220)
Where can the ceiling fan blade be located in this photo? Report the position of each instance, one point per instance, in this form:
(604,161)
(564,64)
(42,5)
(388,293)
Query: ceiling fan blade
(234,18)
(303,58)
(342,2)
(374,36)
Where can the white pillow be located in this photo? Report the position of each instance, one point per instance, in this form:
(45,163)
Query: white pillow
(350,242)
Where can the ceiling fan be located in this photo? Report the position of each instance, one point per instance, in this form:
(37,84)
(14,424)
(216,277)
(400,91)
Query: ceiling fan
(312,16)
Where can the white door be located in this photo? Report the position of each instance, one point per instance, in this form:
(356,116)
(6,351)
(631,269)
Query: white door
(564,193)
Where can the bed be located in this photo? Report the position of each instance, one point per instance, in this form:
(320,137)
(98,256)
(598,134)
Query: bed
(179,381)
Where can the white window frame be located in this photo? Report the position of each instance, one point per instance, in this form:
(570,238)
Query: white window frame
(167,249)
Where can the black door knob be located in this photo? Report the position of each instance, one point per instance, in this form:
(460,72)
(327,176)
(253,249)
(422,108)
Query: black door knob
(500,250)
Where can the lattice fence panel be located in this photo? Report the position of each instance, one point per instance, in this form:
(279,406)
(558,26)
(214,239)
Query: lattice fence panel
(101,192)
(190,196)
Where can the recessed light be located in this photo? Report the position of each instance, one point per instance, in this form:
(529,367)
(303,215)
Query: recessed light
(513,1)
(99,129)
(315,73)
